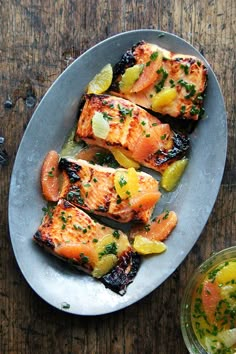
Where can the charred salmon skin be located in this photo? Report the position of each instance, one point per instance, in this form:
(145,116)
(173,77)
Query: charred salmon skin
(105,253)
(133,130)
(168,83)
(109,192)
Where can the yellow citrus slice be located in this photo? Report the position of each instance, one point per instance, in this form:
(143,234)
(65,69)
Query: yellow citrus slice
(227,273)
(100,126)
(102,81)
(130,76)
(173,174)
(163,98)
(126,183)
(123,160)
(121,242)
(144,245)
(104,265)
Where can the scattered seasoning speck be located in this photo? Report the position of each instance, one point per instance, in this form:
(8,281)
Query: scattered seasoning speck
(65,305)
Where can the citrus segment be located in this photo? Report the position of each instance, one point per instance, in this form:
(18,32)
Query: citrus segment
(210,299)
(104,265)
(173,174)
(145,246)
(149,73)
(100,126)
(49,177)
(126,183)
(227,274)
(159,229)
(123,160)
(163,98)
(102,81)
(129,77)
(144,201)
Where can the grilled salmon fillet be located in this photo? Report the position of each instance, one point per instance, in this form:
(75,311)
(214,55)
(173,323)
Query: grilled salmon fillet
(92,188)
(169,83)
(105,253)
(138,134)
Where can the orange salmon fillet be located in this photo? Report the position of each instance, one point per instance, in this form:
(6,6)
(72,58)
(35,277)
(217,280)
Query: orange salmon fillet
(132,129)
(70,234)
(186,73)
(91,187)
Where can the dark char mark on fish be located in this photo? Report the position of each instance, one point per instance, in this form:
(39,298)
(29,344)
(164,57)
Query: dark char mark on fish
(123,274)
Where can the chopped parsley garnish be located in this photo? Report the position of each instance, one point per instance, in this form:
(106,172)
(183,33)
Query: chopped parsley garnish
(190,88)
(110,248)
(106,116)
(83,258)
(154,56)
(118,200)
(77,227)
(122,181)
(183,109)
(147,227)
(167,212)
(185,68)
(194,110)
(75,196)
(116,234)
(125,111)
(48,210)
(50,173)
(65,305)
(161,83)
(172,83)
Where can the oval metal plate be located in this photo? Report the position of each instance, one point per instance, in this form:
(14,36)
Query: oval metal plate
(193,200)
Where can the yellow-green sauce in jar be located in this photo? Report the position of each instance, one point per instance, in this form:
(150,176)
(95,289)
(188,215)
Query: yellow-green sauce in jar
(213,309)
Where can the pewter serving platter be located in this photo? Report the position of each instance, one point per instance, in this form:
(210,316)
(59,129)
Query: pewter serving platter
(55,282)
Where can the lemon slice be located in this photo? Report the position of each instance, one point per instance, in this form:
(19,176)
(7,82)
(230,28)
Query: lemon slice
(123,160)
(102,81)
(100,126)
(130,76)
(145,246)
(173,174)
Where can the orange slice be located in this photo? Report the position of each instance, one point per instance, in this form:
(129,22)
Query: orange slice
(49,177)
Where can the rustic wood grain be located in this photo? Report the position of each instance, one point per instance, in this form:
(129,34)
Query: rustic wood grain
(38,40)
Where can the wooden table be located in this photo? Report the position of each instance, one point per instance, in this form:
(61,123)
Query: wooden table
(39,39)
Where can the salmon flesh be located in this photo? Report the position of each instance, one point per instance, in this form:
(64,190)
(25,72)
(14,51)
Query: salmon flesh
(133,130)
(105,253)
(92,188)
(161,70)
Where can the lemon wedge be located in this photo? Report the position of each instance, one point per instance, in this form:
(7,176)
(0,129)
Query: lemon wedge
(173,174)
(102,81)
(144,245)
(123,160)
